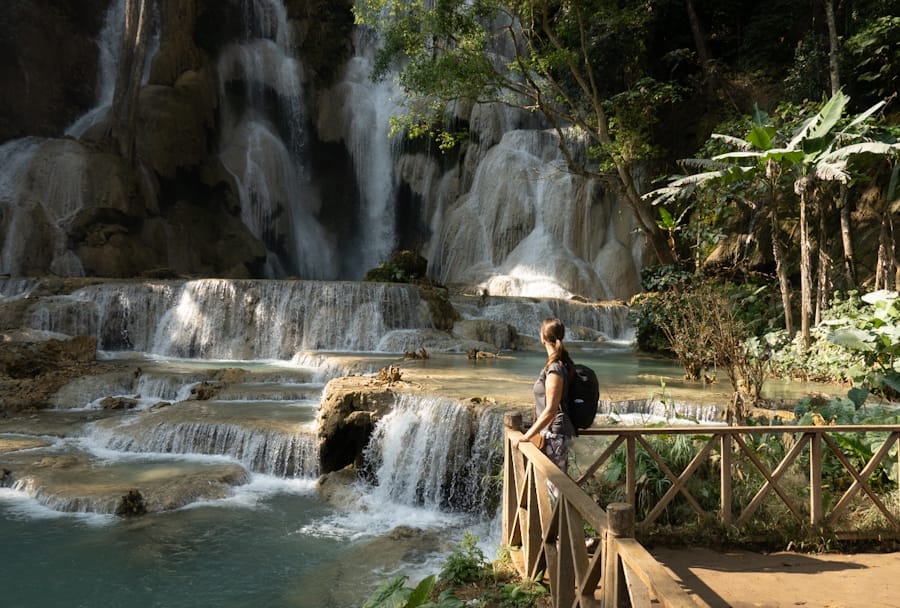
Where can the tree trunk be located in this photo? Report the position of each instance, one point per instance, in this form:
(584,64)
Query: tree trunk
(658,241)
(699,39)
(823,288)
(833,50)
(781,271)
(847,238)
(123,113)
(887,267)
(805,264)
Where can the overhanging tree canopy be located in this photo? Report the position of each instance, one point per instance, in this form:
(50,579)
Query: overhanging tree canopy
(565,59)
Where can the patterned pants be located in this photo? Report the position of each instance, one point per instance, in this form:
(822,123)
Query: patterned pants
(556,447)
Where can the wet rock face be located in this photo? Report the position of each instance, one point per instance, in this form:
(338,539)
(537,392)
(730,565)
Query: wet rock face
(347,417)
(49,67)
(32,370)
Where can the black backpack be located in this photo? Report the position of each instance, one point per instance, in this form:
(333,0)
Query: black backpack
(583,398)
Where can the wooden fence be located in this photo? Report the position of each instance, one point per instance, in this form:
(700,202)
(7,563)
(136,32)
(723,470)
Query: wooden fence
(824,508)
(551,535)
(550,532)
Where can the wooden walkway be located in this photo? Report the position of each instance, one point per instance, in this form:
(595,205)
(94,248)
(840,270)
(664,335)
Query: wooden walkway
(547,535)
(743,579)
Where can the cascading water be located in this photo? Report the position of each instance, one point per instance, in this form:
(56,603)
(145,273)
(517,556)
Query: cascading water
(222,319)
(435,453)
(363,119)
(15,158)
(44,183)
(109,45)
(264,148)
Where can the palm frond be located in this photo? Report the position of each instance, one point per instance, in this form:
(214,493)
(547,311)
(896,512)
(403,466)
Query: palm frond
(736,155)
(734,142)
(702,163)
(666,195)
(862,117)
(697,178)
(867,147)
(832,172)
(823,122)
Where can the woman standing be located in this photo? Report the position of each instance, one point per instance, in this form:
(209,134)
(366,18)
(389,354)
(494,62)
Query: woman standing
(551,422)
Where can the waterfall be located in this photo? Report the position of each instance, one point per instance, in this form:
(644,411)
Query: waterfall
(263,146)
(15,159)
(584,321)
(264,451)
(109,47)
(224,319)
(364,118)
(435,452)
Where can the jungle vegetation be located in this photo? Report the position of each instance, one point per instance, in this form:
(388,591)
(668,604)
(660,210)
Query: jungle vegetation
(756,142)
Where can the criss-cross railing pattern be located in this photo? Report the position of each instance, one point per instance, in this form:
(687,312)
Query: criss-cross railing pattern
(550,535)
(730,443)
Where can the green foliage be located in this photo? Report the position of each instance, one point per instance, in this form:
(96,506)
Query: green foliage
(651,482)
(857,447)
(874,335)
(874,56)
(808,76)
(466,563)
(404,266)
(522,594)
(394,594)
(579,63)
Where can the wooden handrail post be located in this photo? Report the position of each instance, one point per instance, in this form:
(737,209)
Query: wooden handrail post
(512,422)
(816,502)
(621,525)
(630,468)
(725,482)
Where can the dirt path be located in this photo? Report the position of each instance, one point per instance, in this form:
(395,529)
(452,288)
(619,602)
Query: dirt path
(740,579)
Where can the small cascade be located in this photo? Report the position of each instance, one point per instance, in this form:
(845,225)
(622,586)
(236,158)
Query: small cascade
(605,320)
(62,503)
(76,482)
(13,289)
(15,158)
(660,409)
(271,452)
(153,388)
(224,319)
(436,453)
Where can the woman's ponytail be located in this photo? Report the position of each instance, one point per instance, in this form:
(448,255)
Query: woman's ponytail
(552,332)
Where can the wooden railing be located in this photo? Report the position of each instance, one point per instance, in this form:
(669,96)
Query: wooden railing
(550,537)
(728,444)
(547,534)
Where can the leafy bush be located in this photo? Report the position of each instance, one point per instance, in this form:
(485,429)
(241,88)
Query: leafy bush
(466,563)
(522,594)
(394,594)
(404,266)
(873,335)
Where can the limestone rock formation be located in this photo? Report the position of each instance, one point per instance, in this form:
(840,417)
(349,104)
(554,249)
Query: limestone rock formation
(33,368)
(350,406)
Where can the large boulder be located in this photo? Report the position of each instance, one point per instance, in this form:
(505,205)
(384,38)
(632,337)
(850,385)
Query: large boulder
(33,368)
(176,122)
(347,415)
